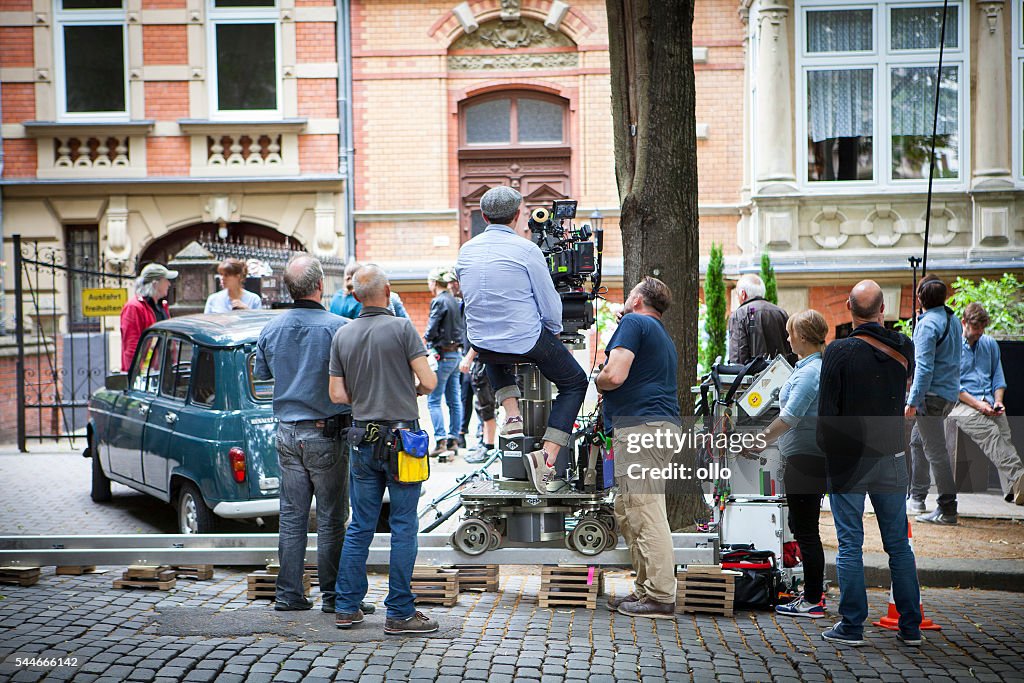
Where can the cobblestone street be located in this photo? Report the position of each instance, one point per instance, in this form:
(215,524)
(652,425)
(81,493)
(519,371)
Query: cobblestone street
(207,631)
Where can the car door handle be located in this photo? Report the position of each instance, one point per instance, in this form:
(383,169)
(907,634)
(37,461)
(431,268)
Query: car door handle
(170,418)
(143,410)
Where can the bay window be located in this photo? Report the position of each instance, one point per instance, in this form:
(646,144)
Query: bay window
(867,89)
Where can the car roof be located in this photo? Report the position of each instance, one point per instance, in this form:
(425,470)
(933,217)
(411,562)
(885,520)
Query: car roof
(220,329)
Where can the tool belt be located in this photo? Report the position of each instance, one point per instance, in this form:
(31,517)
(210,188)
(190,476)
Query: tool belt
(400,445)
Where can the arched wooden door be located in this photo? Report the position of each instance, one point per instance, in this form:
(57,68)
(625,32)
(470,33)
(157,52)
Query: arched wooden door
(515,138)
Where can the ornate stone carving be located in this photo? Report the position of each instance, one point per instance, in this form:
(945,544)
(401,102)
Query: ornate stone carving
(326,240)
(243,150)
(510,10)
(826,228)
(93,152)
(557,60)
(944,225)
(524,32)
(883,227)
(992,12)
(119,244)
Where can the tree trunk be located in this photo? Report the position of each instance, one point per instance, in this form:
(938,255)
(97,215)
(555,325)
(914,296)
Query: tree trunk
(655,134)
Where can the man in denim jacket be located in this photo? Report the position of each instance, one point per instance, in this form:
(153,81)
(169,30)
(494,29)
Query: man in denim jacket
(936,388)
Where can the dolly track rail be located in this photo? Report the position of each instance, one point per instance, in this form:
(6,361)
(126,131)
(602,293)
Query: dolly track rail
(259,549)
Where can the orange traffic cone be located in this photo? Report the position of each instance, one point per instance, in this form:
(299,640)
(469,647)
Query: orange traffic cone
(891,620)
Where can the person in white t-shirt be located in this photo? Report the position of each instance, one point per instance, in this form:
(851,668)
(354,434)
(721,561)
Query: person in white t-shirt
(232,297)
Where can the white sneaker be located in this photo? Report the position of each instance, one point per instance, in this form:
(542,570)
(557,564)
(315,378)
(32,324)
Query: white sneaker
(552,482)
(537,469)
(512,427)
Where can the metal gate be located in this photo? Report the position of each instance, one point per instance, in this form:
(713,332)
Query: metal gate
(64,356)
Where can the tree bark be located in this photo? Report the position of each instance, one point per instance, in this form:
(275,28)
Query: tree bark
(655,135)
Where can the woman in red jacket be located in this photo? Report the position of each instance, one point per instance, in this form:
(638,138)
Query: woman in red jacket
(145,308)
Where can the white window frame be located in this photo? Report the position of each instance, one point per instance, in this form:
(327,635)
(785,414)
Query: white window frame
(87,17)
(219,16)
(881,59)
(1017,108)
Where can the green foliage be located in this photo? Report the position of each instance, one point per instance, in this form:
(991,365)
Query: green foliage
(771,290)
(714,316)
(1002,298)
(905,327)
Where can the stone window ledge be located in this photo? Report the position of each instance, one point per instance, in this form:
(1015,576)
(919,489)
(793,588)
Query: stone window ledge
(200,126)
(38,129)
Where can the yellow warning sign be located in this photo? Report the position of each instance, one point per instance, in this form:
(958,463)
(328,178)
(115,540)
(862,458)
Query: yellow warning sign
(99,302)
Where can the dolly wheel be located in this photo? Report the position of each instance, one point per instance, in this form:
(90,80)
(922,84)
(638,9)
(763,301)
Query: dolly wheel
(589,537)
(472,537)
(495,540)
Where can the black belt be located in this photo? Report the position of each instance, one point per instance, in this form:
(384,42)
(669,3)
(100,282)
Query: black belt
(318,423)
(394,424)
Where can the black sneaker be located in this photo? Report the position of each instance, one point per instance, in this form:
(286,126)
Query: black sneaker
(367,608)
(417,623)
(910,640)
(453,445)
(834,635)
(938,517)
(281,606)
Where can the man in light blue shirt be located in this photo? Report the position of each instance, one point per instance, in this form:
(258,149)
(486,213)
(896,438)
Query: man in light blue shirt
(512,309)
(980,414)
(932,396)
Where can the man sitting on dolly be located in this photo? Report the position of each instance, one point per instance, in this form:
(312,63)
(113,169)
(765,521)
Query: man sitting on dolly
(514,314)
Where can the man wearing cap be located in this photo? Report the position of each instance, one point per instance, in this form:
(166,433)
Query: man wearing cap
(513,310)
(444,338)
(145,308)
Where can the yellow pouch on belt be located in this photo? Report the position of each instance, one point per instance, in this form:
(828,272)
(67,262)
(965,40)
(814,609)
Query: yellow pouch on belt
(413,465)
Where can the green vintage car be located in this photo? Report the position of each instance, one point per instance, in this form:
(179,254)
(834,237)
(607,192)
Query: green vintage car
(189,424)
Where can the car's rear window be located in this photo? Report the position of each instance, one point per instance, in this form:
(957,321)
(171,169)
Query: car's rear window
(261,389)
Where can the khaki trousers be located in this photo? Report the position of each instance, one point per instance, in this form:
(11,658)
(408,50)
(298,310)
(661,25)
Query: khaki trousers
(992,434)
(641,514)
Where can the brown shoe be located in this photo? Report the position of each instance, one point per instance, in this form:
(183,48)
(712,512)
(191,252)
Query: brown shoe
(1018,491)
(645,607)
(346,620)
(417,623)
(613,603)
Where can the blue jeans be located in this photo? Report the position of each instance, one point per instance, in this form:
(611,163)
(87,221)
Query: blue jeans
(891,513)
(449,387)
(368,479)
(557,364)
(310,465)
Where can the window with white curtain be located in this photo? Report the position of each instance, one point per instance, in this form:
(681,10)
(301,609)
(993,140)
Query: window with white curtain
(868,84)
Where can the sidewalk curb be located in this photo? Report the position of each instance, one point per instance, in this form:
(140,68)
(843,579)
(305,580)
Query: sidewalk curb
(1002,575)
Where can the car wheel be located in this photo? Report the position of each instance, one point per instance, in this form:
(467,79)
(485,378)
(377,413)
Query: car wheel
(194,516)
(100,482)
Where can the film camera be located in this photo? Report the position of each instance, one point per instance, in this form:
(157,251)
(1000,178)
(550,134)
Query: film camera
(574,259)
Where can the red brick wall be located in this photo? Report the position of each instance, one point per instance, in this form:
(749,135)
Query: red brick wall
(318,98)
(9,402)
(831,303)
(15,46)
(314,3)
(166,100)
(168,156)
(164,44)
(315,42)
(164,4)
(15,5)
(19,102)
(318,153)
(19,158)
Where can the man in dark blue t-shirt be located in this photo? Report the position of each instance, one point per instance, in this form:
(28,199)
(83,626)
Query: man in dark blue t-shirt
(638,381)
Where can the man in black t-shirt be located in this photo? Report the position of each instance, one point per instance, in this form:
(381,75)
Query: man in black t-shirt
(639,386)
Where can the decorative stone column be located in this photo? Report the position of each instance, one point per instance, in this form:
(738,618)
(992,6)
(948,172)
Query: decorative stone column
(992,117)
(774,144)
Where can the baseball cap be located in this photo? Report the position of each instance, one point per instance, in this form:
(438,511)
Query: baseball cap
(155,272)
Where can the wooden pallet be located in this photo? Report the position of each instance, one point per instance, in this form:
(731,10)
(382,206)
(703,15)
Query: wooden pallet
(75,570)
(153,577)
(477,577)
(313,572)
(263,585)
(570,586)
(706,588)
(435,585)
(199,572)
(19,576)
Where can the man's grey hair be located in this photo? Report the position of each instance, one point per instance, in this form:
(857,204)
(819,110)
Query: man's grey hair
(499,204)
(352,267)
(751,284)
(369,282)
(143,288)
(302,275)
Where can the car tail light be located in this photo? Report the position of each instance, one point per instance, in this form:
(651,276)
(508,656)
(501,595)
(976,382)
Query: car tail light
(237,457)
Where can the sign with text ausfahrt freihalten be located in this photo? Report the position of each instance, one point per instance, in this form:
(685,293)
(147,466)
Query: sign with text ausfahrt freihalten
(99,302)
